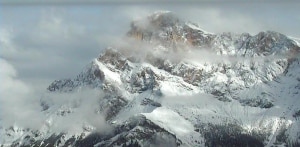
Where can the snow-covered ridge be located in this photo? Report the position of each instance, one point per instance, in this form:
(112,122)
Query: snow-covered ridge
(297,40)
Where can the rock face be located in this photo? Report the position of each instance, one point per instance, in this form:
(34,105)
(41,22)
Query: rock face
(184,86)
(168,30)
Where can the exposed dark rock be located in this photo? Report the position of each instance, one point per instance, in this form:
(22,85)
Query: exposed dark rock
(257,102)
(229,135)
(148,101)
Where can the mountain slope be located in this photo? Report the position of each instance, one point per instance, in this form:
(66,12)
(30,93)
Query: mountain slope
(172,83)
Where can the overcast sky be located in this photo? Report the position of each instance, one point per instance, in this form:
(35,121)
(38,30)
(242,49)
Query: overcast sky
(44,41)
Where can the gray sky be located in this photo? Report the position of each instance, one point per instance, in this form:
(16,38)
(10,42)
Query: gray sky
(49,40)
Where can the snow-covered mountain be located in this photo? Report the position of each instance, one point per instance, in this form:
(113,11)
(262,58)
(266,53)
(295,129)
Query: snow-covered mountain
(170,83)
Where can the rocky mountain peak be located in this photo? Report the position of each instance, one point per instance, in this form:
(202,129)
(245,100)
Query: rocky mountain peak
(271,42)
(166,28)
(157,20)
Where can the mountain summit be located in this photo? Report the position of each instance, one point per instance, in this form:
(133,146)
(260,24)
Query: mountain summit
(170,83)
(165,27)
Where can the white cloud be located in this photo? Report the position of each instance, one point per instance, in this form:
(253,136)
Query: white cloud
(82,107)
(19,104)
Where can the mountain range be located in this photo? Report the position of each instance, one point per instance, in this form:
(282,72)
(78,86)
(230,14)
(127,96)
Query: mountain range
(170,83)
